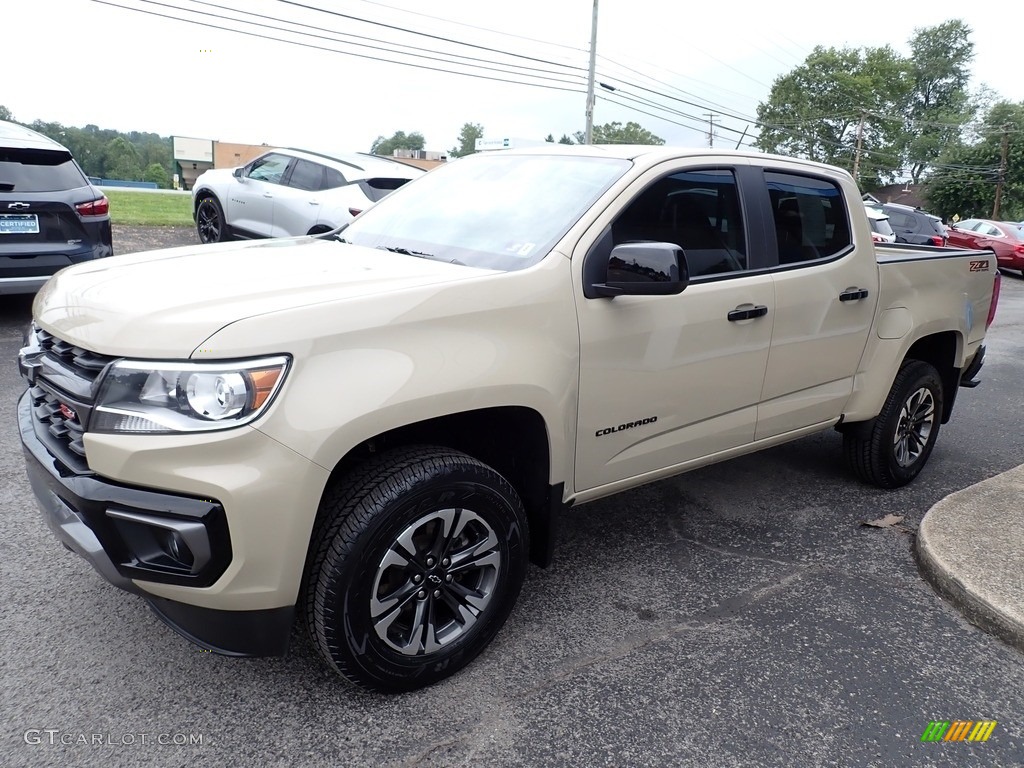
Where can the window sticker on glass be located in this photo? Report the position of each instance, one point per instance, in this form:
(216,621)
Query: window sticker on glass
(521,249)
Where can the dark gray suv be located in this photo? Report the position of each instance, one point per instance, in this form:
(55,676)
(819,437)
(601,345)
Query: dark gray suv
(50,215)
(912,225)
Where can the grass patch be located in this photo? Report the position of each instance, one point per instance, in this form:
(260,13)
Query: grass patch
(149,209)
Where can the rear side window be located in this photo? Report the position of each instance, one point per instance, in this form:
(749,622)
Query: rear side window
(901,220)
(307,175)
(335,178)
(38,170)
(810,217)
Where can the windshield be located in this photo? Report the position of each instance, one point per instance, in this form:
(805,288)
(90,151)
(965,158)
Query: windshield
(490,210)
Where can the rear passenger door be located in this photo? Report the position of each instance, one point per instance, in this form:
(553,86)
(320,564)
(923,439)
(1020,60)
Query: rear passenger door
(666,380)
(826,289)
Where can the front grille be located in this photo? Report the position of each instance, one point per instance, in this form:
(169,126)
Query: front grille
(48,414)
(61,384)
(85,363)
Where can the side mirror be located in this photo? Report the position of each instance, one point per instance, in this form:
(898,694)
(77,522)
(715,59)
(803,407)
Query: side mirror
(643,269)
(237,173)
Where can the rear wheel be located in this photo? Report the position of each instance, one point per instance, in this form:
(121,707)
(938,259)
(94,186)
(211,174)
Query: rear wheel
(891,450)
(210,222)
(417,561)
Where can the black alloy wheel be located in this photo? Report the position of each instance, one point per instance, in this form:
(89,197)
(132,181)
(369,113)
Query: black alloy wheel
(210,221)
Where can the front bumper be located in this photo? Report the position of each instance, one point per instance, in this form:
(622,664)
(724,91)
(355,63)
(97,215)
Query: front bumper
(115,527)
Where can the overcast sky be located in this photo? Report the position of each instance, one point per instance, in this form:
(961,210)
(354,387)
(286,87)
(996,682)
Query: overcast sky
(83,61)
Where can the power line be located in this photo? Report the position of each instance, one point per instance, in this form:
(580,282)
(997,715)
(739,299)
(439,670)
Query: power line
(345,53)
(422,34)
(471,26)
(333,32)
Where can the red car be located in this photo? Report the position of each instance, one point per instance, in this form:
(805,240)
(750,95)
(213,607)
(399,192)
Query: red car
(1005,239)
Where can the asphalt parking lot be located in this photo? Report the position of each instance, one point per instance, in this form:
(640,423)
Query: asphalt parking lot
(739,615)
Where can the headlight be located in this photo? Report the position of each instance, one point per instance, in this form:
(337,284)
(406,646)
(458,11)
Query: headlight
(142,396)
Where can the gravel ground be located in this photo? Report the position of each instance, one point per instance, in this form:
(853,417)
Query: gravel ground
(132,239)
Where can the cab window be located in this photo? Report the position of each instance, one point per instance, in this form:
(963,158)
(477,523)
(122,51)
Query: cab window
(810,217)
(697,210)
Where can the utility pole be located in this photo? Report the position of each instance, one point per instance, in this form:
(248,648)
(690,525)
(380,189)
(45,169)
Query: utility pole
(860,143)
(589,135)
(743,136)
(1002,171)
(711,127)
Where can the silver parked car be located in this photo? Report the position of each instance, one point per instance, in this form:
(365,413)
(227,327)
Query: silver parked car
(290,192)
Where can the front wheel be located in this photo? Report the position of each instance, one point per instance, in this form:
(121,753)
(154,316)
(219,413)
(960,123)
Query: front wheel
(210,223)
(417,561)
(892,450)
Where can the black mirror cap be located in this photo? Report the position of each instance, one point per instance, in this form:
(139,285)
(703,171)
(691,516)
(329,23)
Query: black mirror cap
(644,269)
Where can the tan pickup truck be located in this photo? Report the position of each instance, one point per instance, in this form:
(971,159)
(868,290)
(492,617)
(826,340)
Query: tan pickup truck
(373,430)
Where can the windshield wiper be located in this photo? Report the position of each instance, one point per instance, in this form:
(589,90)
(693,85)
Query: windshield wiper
(406,251)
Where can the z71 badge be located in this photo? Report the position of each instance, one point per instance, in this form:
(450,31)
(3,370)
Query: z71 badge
(979,266)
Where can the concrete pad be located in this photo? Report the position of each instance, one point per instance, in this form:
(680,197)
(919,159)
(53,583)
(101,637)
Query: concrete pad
(970,547)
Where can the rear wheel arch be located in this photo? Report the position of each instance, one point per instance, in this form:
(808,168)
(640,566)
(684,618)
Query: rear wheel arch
(941,351)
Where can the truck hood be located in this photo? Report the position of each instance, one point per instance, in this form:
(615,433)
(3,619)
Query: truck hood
(166,303)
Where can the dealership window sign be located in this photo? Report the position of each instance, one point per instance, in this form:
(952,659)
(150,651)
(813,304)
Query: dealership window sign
(506,143)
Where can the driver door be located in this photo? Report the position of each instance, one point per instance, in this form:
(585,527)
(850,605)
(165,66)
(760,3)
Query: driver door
(667,380)
(250,205)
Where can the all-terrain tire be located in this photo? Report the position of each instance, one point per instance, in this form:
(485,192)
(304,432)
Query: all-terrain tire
(416,561)
(892,449)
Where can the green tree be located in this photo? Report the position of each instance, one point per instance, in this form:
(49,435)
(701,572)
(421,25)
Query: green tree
(158,174)
(399,140)
(550,138)
(467,140)
(820,109)
(630,133)
(565,140)
(940,104)
(5,114)
(966,176)
(121,160)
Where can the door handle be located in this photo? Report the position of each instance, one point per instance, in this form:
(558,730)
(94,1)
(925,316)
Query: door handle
(747,314)
(853,294)
(268,196)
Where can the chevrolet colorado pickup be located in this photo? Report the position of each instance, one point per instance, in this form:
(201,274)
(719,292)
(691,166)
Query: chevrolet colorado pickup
(371,431)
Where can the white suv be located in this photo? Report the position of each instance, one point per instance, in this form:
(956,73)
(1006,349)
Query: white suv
(288,192)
